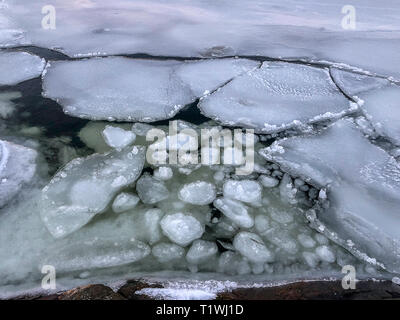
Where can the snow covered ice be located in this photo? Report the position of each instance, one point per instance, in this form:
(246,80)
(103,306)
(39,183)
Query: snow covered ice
(277,96)
(118,88)
(19,66)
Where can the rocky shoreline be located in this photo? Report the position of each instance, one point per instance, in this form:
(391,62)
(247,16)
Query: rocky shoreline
(311,290)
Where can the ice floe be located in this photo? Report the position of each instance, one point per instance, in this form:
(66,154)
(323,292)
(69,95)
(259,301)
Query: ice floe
(276,97)
(363,187)
(19,66)
(85,186)
(191,28)
(118,88)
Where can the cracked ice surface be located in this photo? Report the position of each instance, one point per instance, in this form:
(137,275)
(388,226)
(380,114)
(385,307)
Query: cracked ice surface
(308,30)
(277,96)
(379,101)
(119,88)
(85,186)
(19,66)
(363,184)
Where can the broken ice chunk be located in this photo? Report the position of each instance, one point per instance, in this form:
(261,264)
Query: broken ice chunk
(198,193)
(248,191)
(99,253)
(124,202)
(363,187)
(268,182)
(166,252)
(201,251)
(181,229)
(163,173)
(17,168)
(147,225)
(19,66)
(119,88)
(252,247)
(151,190)
(276,97)
(85,186)
(235,211)
(118,138)
(287,190)
(233,263)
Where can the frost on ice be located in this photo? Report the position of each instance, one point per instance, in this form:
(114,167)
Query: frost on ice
(85,186)
(19,66)
(276,97)
(363,186)
(117,88)
(17,168)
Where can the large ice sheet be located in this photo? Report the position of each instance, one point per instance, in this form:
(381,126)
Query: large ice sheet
(19,66)
(310,29)
(118,88)
(85,187)
(17,168)
(382,109)
(277,96)
(363,184)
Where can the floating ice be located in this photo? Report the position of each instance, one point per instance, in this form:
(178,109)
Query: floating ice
(353,83)
(118,88)
(85,186)
(252,247)
(382,109)
(198,193)
(192,28)
(17,168)
(363,188)
(181,228)
(19,66)
(118,138)
(201,251)
(151,190)
(248,191)
(100,253)
(166,252)
(124,202)
(7,107)
(235,211)
(277,96)
(163,173)
(268,182)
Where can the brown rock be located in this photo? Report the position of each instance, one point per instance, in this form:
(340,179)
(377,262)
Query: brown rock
(132,286)
(91,292)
